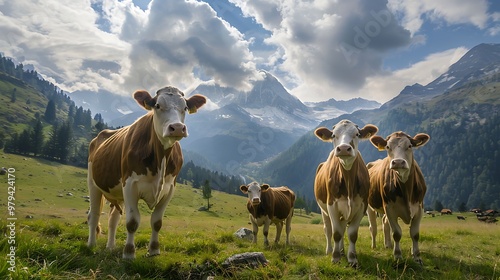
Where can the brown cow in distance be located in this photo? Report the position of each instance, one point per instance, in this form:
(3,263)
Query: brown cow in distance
(397,189)
(139,161)
(341,186)
(269,205)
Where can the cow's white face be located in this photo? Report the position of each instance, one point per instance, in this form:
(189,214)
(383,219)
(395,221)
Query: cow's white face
(169,106)
(254,191)
(345,137)
(399,147)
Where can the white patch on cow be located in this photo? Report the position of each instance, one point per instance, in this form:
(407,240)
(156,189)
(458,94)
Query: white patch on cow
(168,187)
(415,209)
(345,209)
(261,220)
(149,187)
(403,210)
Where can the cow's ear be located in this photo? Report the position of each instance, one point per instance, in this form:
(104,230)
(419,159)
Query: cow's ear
(144,99)
(324,134)
(195,102)
(244,189)
(368,131)
(378,142)
(420,139)
(264,187)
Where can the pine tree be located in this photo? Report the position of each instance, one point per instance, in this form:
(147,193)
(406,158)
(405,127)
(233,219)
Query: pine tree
(24,142)
(207,192)
(50,148)
(2,139)
(50,111)
(37,139)
(87,118)
(13,96)
(64,137)
(11,146)
(79,116)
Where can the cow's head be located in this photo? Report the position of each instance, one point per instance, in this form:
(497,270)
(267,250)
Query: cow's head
(254,190)
(345,137)
(169,109)
(399,147)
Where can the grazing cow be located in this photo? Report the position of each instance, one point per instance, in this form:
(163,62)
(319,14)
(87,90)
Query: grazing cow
(461,217)
(341,186)
(139,161)
(269,205)
(446,211)
(397,189)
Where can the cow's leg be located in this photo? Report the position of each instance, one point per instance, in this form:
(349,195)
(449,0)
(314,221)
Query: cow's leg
(255,228)
(133,217)
(114,218)
(265,231)
(372,218)
(339,227)
(415,235)
(327,227)
(288,228)
(392,217)
(387,232)
(279,228)
(352,234)
(96,203)
(157,216)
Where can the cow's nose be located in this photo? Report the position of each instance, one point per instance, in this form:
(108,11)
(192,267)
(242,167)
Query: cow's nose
(343,150)
(177,130)
(255,201)
(398,163)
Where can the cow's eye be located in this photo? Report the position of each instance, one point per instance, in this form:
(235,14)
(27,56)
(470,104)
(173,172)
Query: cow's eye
(387,147)
(157,106)
(186,108)
(358,134)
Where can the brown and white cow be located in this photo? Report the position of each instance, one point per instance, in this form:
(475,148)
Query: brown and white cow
(139,161)
(269,205)
(397,189)
(341,186)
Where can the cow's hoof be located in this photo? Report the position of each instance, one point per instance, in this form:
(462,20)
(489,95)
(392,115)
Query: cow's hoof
(336,257)
(128,256)
(152,254)
(419,261)
(354,264)
(129,251)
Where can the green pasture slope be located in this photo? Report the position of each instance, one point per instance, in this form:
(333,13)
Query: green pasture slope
(50,238)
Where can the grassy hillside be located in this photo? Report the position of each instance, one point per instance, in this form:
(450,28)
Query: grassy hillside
(15,116)
(52,244)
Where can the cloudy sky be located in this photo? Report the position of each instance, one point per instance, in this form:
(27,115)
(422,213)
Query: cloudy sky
(319,49)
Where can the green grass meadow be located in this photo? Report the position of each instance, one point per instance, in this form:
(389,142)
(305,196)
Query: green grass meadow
(51,234)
